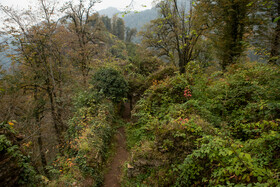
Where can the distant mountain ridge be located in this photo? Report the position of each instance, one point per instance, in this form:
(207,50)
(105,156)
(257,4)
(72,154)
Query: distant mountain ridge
(139,19)
(110,11)
(134,19)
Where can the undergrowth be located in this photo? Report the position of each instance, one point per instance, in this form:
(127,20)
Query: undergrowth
(208,129)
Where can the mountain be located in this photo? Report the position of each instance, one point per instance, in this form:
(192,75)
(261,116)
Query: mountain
(134,19)
(110,12)
(139,19)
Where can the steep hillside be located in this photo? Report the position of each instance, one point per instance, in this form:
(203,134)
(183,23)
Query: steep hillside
(84,104)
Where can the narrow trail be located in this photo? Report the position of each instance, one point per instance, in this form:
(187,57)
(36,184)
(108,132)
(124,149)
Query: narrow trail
(112,178)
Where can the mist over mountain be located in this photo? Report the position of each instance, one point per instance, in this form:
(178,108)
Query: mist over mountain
(139,19)
(110,12)
(133,19)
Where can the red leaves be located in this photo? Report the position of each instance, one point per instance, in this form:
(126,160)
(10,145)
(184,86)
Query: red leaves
(187,93)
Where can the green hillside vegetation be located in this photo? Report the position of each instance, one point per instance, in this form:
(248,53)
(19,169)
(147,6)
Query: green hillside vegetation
(196,110)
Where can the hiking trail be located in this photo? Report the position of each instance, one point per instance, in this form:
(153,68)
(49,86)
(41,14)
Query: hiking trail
(112,177)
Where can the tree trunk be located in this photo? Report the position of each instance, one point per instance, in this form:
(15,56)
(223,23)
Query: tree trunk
(56,123)
(42,153)
(182,68)
(274,54)
(40,142)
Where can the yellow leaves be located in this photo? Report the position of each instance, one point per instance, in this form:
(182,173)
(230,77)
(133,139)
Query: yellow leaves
(12,123)
(45,179)
(250,4)
(28,144)
(156,82)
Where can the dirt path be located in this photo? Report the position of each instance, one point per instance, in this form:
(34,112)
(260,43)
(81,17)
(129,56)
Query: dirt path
(112,178)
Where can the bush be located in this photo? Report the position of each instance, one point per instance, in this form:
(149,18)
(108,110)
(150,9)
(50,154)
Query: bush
(14,163)
(88,138)
(111,83)
(164,134)
(247,93)
(221,161)
(220,129)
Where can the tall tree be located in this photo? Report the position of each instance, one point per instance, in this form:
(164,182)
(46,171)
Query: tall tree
(107,22)
(274,9)
(130,33)
(230,21)
(118,27)
(85,37)
(175,33)
(40,57)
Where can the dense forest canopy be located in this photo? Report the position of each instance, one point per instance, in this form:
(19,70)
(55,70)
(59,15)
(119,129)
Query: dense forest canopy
(196,102)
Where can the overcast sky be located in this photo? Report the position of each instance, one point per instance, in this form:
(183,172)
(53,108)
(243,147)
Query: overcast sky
(120,4)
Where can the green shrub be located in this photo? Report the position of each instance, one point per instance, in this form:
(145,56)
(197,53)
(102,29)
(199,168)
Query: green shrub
(88,136)
(14,157)
(250,93)
(222,161)
(231,137)
(111,83)
(246,93)
(266,150)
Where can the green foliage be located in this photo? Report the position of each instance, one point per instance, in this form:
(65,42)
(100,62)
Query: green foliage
(118,27)
(111,83)
(118,50)
(162,93)
(208,130)
(142,63)
(220,161)
(163,134)
(12,151)
(153,77)
(246,93)
(229,22)
(88,138)
(86,99)
(170,37)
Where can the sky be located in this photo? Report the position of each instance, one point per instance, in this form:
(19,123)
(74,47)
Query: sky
(120,4)
(32,5)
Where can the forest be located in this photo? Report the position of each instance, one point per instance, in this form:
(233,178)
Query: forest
(196,102)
